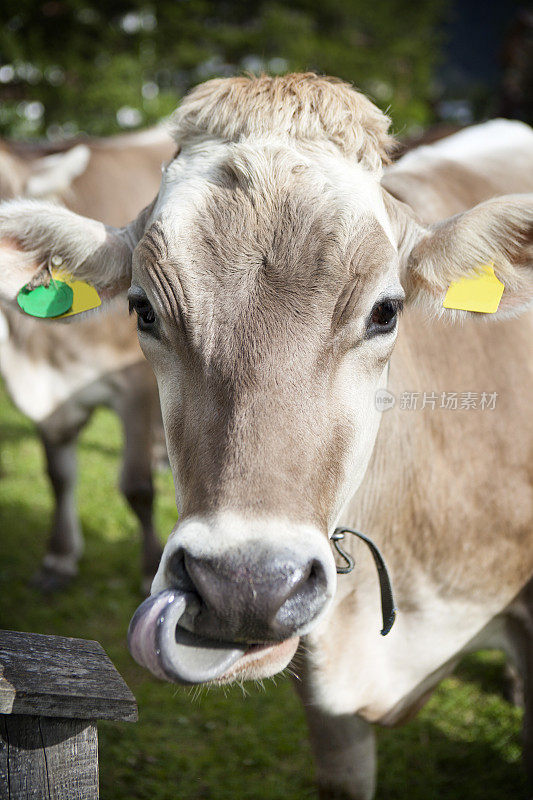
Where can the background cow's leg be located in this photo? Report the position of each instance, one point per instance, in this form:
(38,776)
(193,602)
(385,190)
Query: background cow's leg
(65,544)
(344,749)
(135,409)
(513,689)
(345,755)
(520,633)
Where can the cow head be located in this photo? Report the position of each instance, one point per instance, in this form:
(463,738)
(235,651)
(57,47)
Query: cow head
(267,278)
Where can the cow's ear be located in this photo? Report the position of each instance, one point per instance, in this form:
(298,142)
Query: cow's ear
(33,233)
(52,176)
(493,239)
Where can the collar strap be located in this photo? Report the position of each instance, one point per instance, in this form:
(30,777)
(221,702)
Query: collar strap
(388,606)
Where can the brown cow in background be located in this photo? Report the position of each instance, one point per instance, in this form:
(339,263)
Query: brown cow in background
(57,374)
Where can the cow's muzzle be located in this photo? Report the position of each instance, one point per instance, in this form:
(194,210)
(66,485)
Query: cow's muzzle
(230,590)
(197,635)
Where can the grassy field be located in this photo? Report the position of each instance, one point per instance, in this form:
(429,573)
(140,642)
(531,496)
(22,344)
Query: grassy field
(214,744)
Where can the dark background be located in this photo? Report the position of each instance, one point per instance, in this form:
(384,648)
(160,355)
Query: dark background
(69,67)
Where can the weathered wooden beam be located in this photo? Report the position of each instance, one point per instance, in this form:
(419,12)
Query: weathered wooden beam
(55,676)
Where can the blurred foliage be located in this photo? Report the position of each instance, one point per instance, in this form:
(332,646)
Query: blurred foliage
(72,66)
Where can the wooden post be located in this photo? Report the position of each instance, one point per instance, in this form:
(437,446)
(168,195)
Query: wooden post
(52,692)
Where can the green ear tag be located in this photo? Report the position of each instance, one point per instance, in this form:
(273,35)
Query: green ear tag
(46,301)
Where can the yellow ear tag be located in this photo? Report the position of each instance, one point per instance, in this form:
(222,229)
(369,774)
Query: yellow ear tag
(481,292)
(85,296)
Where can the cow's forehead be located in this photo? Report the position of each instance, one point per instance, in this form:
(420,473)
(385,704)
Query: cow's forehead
(268,220)
(271,170)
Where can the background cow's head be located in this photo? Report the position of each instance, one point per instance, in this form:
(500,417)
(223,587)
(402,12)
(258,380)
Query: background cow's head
(267,277)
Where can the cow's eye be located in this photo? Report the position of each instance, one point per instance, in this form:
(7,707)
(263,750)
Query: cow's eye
(383,317)
(139,303)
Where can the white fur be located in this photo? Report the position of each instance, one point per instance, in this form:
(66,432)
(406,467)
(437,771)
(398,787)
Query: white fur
(362,410)
(4,329)
(53,175)
(380,677)
(39,389)
(489,139)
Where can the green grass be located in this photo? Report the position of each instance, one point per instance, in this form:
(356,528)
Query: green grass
(465,744)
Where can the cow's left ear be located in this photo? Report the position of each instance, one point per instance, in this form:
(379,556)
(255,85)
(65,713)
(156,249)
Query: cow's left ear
(496,234)
(34,235)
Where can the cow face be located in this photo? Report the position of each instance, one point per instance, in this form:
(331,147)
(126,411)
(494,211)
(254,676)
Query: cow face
(267,292)
(267,280)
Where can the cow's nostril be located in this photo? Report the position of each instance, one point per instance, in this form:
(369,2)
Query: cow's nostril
(177,575)
(305,601)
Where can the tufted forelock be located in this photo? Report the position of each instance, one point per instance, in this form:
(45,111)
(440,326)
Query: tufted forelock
(305,106)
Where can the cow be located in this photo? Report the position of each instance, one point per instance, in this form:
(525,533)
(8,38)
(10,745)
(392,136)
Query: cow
(268,277)
(58,374)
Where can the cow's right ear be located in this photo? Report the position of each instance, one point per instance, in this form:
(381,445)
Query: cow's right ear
(32,233)
(494,237)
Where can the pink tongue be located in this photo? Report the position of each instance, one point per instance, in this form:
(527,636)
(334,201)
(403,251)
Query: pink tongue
(159,643)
